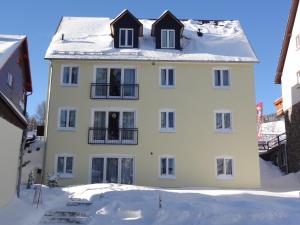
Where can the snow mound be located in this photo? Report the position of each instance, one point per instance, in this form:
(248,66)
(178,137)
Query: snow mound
(90,38)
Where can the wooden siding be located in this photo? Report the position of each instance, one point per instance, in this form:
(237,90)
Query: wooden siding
(126,21)
(167,22)
(16,66)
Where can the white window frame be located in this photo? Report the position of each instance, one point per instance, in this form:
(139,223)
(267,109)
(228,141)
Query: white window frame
(64,175)
(298,41)
(223,130)
(222,86)
(111,155)
(67,128)
(121,110)
(225,176)
(126,38)
(167,176)
(167,77)
(69,84)
(167,129)
(9,80)
(122,68)
(168,38)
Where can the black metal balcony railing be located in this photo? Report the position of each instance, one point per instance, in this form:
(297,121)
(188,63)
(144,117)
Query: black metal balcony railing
(114,91)
(121,136)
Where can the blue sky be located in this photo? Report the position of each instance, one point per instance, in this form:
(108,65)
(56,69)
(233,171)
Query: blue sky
(263,21)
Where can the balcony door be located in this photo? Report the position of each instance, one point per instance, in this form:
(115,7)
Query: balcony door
(113,125)
(101,82)
(112,170)
(115,82)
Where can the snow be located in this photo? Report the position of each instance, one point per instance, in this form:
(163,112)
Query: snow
(272,129)
(90,38)
(276,203)
(8,44)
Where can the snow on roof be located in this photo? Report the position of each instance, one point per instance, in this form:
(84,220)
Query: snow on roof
(90,38)
(8,44)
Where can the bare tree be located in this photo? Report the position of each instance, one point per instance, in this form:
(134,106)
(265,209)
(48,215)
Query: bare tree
(40,113)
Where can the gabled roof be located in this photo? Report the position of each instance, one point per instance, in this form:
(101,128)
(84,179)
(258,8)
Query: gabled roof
(8,45)
(286,40)
(89,38)
(166,13)
(121,15)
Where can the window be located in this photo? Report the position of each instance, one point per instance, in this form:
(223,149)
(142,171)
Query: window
(167,120)
(167,77)
(298,41)
(9,80)
(224,167)
(167,167)
(67,119)
(221,78)
(167,38)
(70,76)
(65,166)
(126,37)
(223,121)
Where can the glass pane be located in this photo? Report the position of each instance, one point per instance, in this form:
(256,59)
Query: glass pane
(171,39)
(128,122)
(163,77)
(60,164)
(228,163)
(129,37)
(97,170)
(171,77)
(171,119)
(220,166)
(112,170)
(122,37)
(163,166)
(69,165)
(63,118)
(72,118)
(99,124)
(163,122)
(74,78)
(219,121)
(227,120)
(129,82)
(115,82)
(127,171)
(101,81)
(217,78)
(66,75)
(164,39)
(171,167)
(225,78)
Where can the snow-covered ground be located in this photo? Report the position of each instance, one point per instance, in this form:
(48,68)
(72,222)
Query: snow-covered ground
(276,203)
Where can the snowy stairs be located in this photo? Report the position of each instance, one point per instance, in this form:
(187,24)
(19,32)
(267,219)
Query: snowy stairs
(75,212)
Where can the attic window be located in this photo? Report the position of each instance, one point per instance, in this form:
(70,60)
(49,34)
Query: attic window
(167,38)
(126,37)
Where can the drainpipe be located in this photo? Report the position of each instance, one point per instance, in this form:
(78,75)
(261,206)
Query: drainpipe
(24,137)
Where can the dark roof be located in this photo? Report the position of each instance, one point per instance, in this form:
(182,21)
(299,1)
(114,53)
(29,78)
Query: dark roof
(124,12)
(286,40)
(167,12)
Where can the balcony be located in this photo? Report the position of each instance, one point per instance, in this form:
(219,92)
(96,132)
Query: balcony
(114,91)
(121,136)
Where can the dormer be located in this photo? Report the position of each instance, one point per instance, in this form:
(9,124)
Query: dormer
(167,30)
(126,30)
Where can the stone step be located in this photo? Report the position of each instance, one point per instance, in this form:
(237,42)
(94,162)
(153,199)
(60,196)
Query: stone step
(79,203)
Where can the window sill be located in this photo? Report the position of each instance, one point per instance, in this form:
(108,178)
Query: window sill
(167,86)
(167,131)
(225,177)
(223,131)
(65,176)
(222,87)
(69,85)
(168,177)
(66,129)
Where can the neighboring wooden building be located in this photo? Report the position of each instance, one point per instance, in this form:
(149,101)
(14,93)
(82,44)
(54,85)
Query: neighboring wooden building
(15,84)
(158,102)
(288,75)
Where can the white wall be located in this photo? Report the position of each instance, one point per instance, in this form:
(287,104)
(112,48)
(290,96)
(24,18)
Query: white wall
(290,92)
(10,140)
